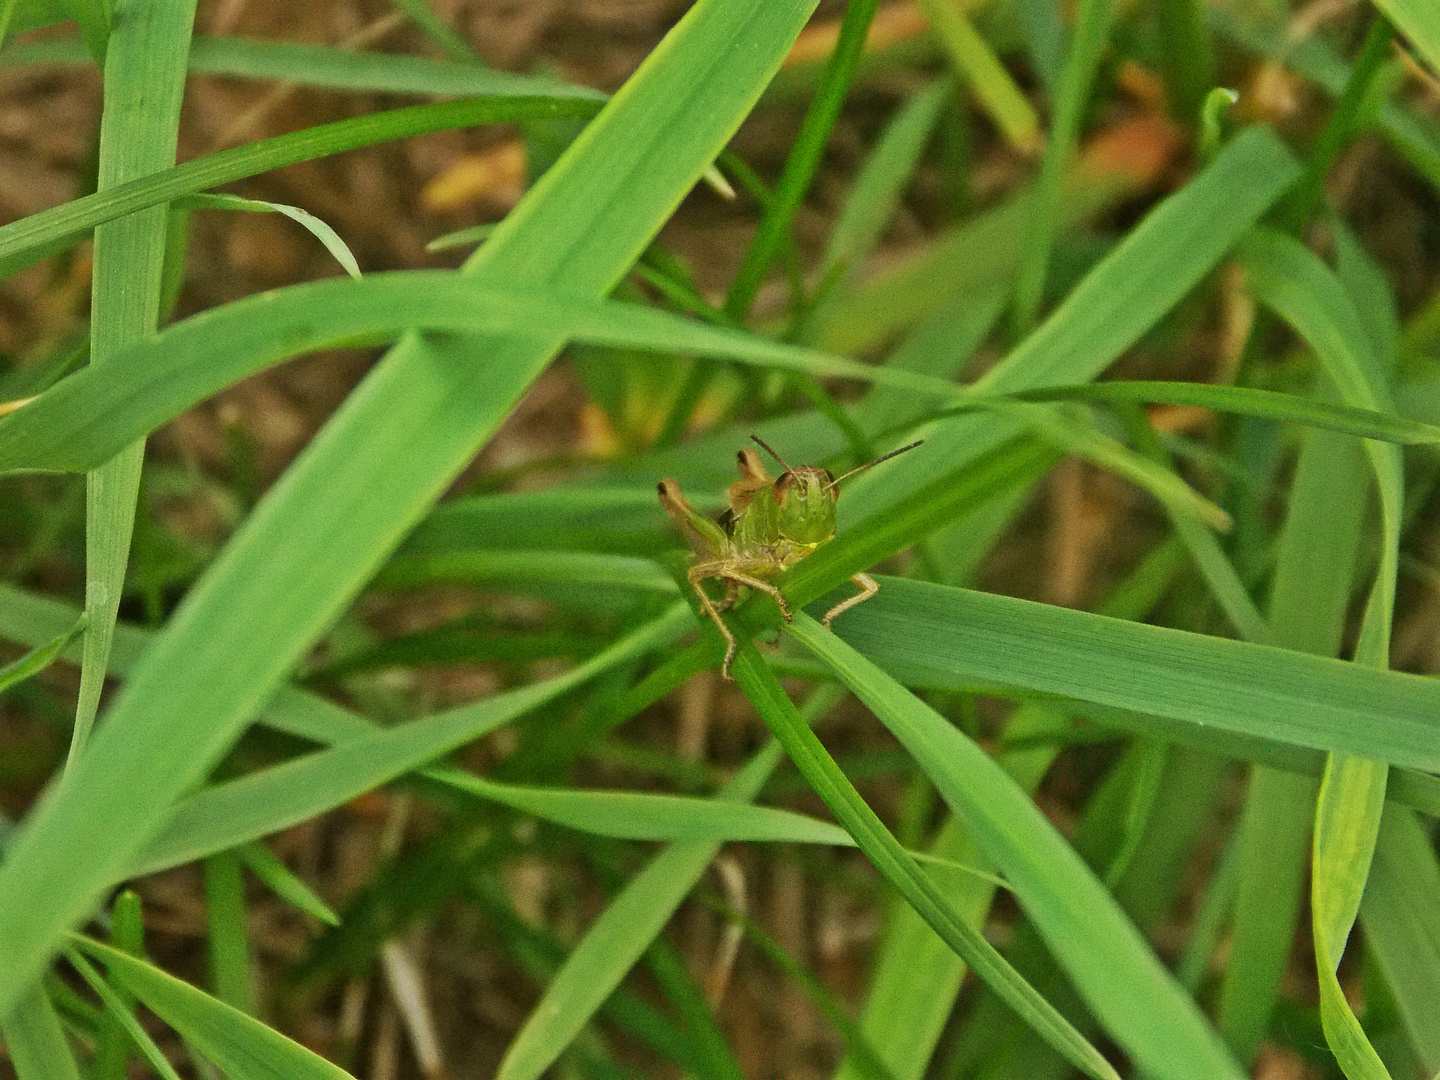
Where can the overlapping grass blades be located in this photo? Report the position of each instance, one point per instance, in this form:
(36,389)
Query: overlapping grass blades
(365,480)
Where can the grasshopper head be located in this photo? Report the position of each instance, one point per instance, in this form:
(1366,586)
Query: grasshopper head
(805,504)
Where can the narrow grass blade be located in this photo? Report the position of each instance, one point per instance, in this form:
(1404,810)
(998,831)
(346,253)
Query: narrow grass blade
(1243,401)
(619,937)
(527,568)
(1082,60)
(636,816)
(279,879)
(117,1008)
(35,1040)
(227,941)
(976,63)
(144,66)
(1121,979)
(1288,277)
(21,240)
(795,179)
(1315,568)
(308,221)
(40,657)
(882,180)
(439,31)
(238,1044)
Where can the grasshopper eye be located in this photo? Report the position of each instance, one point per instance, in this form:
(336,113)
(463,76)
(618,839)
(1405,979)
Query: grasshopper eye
(782,487)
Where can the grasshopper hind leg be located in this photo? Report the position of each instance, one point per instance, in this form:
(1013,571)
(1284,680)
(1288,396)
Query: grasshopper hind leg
(868,588)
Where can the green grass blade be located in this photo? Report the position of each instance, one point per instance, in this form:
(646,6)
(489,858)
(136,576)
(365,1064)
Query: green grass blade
(1111,965)
(635,816)
(40,657)
(912,992)
(1315,570)
(1347,821)
(976,63)
(795,179)
(1082,59)
(1420,22)
(327,66)
(238,1044)
(84,418)
(139,125)
(882,180)
(306,220)
(35,1040)
(264,864)
(23,242)
(227,940)
(895,864)
(619,937)
(118,1009)
(480,567)
(947,638)
(1401,916)
(113,1040)
(439,31)
(1243,401)
(1287,277)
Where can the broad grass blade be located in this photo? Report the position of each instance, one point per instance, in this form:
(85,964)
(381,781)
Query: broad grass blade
(1114,969)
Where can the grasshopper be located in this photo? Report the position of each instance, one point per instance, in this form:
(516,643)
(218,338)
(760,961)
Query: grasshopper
(769,526)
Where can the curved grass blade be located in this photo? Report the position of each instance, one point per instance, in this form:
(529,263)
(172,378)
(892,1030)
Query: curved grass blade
(240,1045)
(40,657)
(1366,423)
(1288,277)
(85,418)
(31,238)
(1111,965)
(895,864)
(306,220)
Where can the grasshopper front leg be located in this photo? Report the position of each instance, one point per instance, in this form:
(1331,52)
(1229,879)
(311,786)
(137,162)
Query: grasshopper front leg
(868,588)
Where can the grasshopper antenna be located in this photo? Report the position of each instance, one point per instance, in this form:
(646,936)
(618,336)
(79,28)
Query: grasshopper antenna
(868,464)
(766,447)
